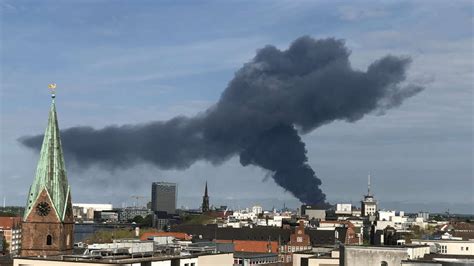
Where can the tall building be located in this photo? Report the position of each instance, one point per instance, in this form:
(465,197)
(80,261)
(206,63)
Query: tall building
(205,201)
(48,221)
(163,197)
(368,204)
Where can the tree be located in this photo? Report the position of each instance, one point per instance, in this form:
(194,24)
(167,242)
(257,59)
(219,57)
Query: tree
(138,220)
(148,221)
(5,245)
(106,236)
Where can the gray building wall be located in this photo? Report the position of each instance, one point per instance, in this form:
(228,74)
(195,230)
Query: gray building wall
(372,255)
(313,212)
(418,263)
(163,197)
(316,214)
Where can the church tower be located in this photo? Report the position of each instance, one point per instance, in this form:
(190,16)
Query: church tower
(205,201)
(48,222)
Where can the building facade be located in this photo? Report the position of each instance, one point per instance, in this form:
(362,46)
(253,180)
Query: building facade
(380,255)
(299,241)
(313,212)
(448,246)
(163,197)
(126,214)
(85,211)
(219,259)
(249,258)
(48,221)
(10,228)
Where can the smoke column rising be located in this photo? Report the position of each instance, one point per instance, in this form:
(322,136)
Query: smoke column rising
(259,116)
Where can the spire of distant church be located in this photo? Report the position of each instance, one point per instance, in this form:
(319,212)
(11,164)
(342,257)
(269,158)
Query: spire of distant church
(205,201)
(51,170)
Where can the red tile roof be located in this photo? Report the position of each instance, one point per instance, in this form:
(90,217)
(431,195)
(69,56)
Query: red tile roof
(252,245)
(9,222)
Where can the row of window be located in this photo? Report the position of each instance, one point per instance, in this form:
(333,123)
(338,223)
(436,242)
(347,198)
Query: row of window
(254,261)
(261,262)
(443,249)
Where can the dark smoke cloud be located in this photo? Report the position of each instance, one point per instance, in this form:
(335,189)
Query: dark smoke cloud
(258,117)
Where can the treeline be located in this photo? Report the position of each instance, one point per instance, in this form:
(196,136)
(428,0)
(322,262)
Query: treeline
(9,211)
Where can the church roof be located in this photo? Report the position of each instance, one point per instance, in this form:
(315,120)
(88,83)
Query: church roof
(51,171)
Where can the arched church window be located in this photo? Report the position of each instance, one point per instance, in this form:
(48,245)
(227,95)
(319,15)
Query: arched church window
(383,263)
(49,240)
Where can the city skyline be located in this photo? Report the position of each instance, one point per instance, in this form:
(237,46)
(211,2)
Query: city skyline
(408,150)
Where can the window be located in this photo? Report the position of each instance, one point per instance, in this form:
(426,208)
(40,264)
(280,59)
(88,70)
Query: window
(467,248)
(383,263)
(49,240)
(443,249)
(462,248)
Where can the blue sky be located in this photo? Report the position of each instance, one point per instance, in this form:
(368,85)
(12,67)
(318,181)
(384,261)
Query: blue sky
(118,62)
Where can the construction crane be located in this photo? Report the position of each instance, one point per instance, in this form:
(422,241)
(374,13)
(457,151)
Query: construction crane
(137,198)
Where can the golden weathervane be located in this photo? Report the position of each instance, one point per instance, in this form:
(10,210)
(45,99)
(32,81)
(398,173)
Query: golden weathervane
(52,87)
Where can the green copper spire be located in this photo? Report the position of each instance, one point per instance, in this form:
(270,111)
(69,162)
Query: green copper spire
(51,171)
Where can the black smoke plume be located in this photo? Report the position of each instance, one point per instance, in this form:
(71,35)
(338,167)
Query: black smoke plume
(270,100)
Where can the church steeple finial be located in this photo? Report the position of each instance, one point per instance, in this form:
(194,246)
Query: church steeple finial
(52,87)
(205,191)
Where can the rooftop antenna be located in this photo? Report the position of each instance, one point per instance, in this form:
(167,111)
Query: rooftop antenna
(368,186)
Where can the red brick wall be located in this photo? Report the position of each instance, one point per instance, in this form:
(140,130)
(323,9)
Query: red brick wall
(36,228)
(299,234)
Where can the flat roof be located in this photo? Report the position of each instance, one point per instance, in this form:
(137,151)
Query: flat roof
(117,259)
(252,255)
(323,257)
(444,240)
(385,246)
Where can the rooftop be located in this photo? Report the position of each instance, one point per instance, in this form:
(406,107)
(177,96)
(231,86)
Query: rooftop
(253,255)
(384,246)
(444,240)
(9,222)
(121,259)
